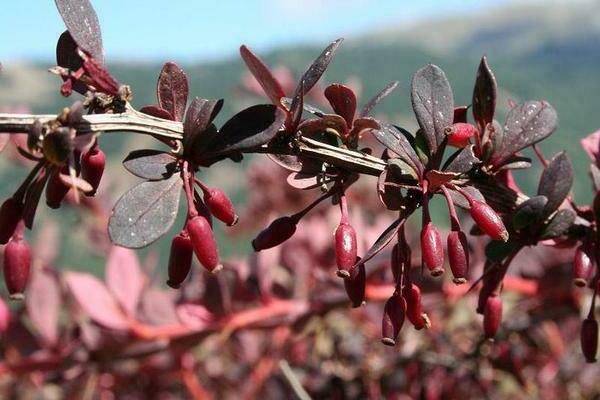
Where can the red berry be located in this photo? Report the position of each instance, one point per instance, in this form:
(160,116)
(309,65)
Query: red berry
(17,264)
(492,316)
(589,339)
(203,241)
(11,212)
(394,312)
(276,233)
(432,250)
(458,256)
(345,248)
(56,191)
(488,220)
(220,205)
(414,309)
(92,167)
(460,133)
(582,266)
(180,259)
(355,285)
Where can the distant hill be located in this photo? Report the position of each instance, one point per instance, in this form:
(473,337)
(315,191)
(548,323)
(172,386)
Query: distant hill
(539,51)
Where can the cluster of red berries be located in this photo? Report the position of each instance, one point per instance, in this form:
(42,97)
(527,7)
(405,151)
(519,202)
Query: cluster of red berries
(197,235)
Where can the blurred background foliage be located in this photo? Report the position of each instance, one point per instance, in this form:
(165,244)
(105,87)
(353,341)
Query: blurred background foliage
(539,50)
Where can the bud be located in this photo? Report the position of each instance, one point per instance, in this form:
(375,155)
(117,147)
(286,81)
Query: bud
(92,167)
(17,263)
(345,248)
(203,241)
(589,339)
(220,205)
(11,212)
(458,256)
(582,267)
(4,316)
(276,233)
(432,250)
(56,191)
(492,316)
(488,220)
(180,259)
(393,318)
(460,133)
(414,309)
(355,285)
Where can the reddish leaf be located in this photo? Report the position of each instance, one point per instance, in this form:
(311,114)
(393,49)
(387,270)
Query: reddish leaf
(591,145)
(172,90)
(314,72)
(484,95)
(198,117)
(194,316)
(124,278)
(157,111)
(263,75)
(342,100)
(43,304)
(96,300)
(157,307)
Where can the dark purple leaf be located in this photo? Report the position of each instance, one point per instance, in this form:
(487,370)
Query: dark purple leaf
(151,164)
(562,220)
(529,212)
(145,213)
(95,299)
(368,108)
(198,118)
(43,302)
(515,162)
(291,163)
(556,181)
(296,109)
(124,278)
(384,239)
(263,75)
(157,111)
(460,114)
(172,90)
(462,161)
(287,102)
(500,197)
(433,104)
(342,100)
(32,197)
(66,52)
(82,22)
(314,72)
(526,124)
(248,129)
(395,140)
(484,95)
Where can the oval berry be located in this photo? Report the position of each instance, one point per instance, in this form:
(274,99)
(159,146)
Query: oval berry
(488,220)
(220,206)
(492,316)
(56,191)
(345,248)
(17,265)
(92,167)
(432,250)
(180,259)
(414,308)
(204,243)
(458,256)
(460,133)
(582,267)
(276,233)
(394,313)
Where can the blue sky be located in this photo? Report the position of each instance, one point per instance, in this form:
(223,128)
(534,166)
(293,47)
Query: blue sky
(203,30)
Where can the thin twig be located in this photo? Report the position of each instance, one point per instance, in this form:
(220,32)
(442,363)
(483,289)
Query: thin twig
(293,380)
